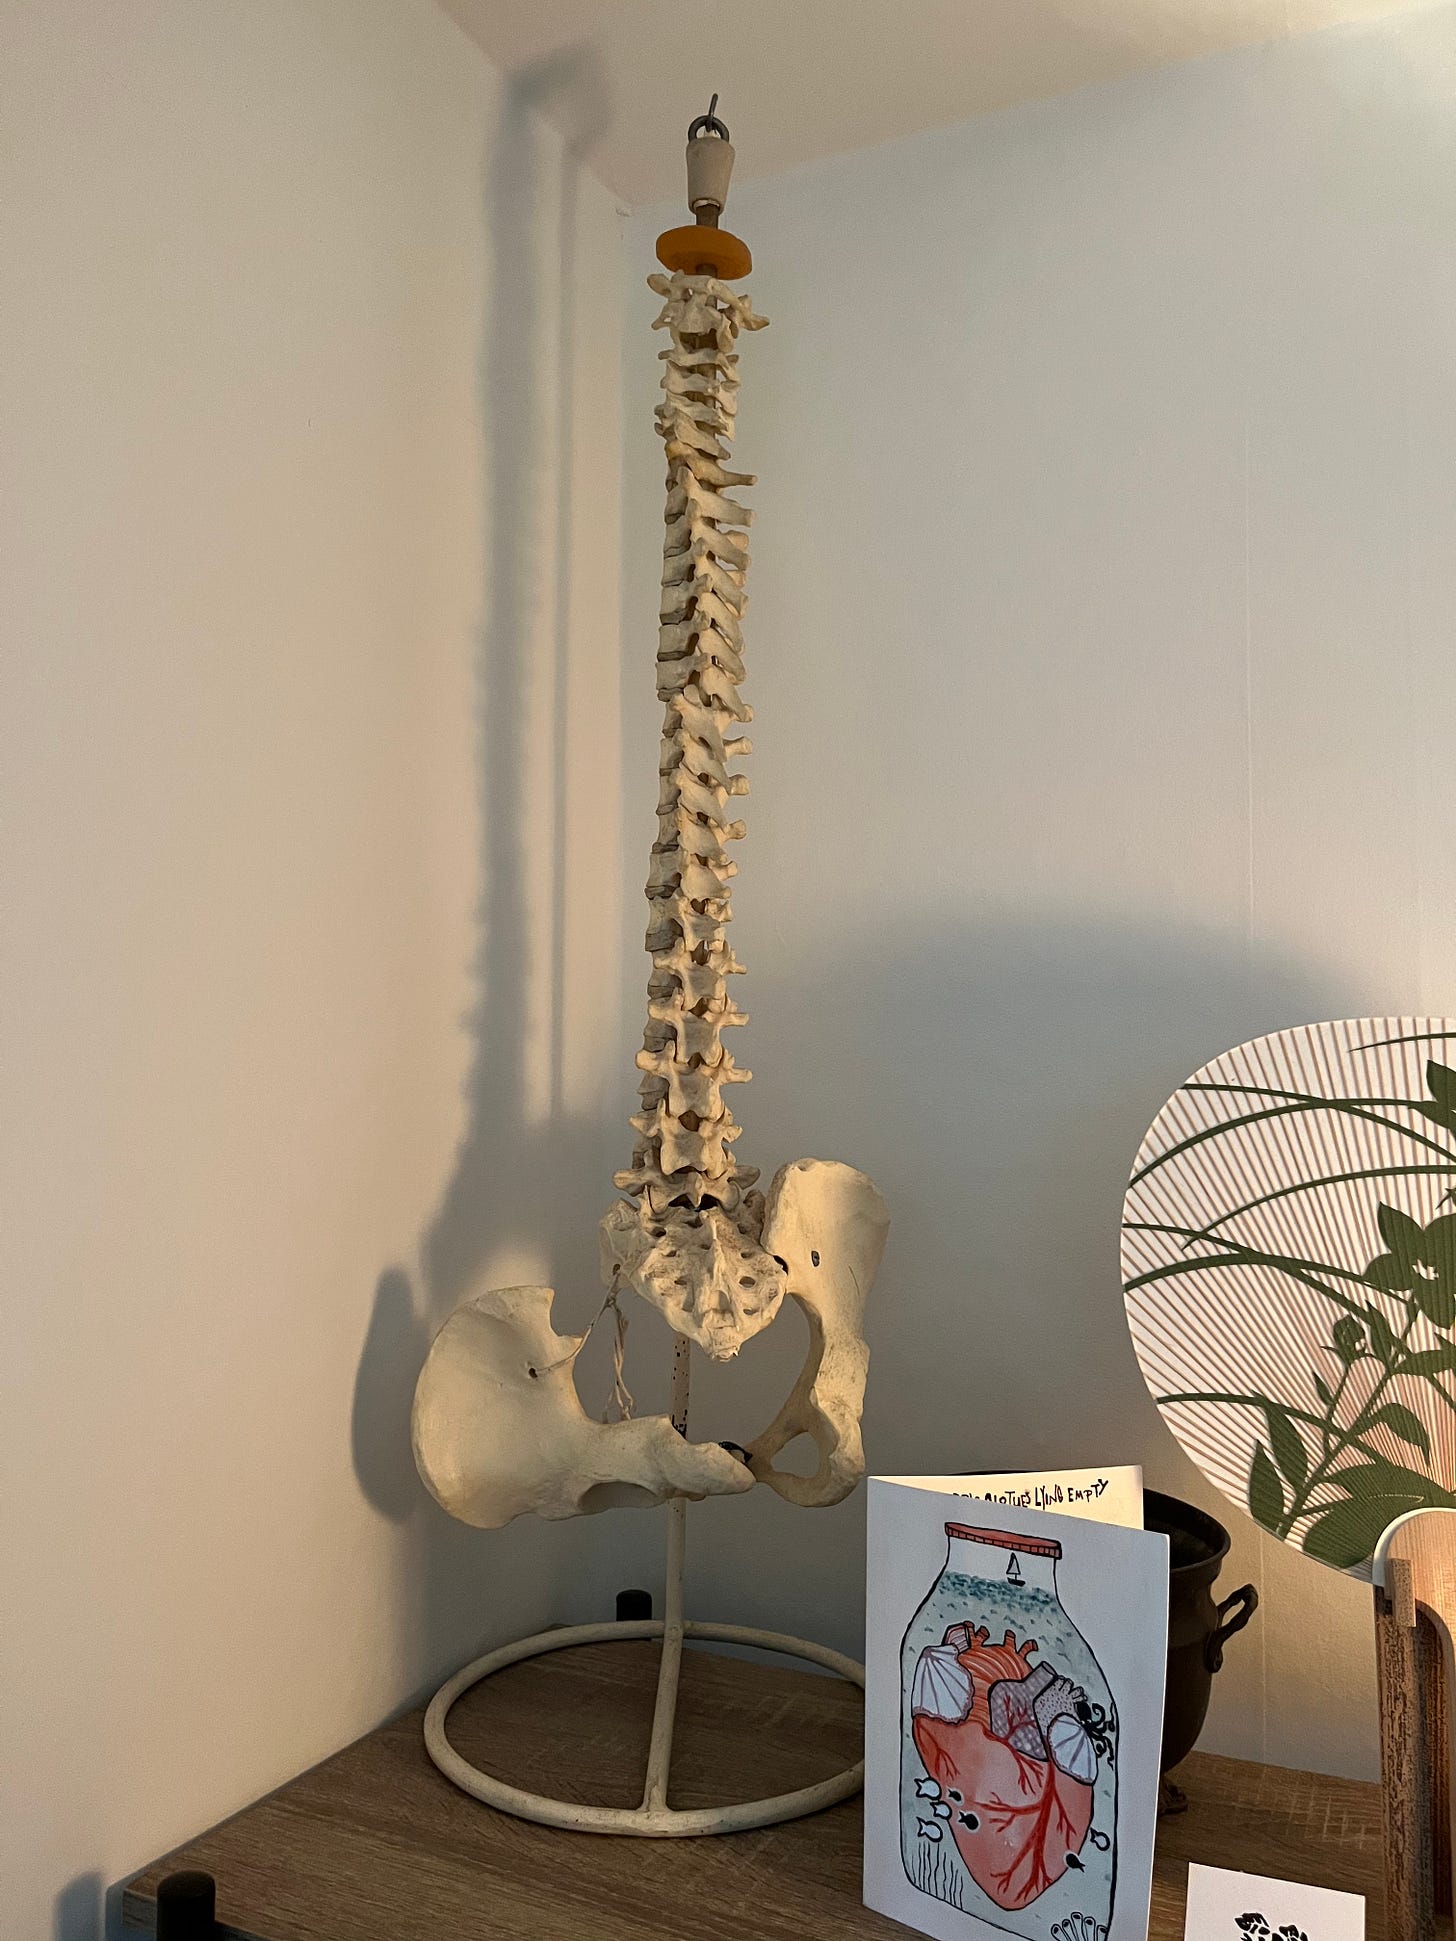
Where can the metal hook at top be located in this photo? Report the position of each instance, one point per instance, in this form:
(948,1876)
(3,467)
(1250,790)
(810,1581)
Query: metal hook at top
(708,124)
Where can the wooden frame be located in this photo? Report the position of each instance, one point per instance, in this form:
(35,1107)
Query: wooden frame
(1415,1621)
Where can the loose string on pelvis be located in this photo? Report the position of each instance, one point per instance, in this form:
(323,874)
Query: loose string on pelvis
(621,1397)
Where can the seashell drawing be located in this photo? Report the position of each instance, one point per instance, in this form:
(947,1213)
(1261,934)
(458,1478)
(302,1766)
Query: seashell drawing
(1071,1747)
(1289,1269)
(943,1688)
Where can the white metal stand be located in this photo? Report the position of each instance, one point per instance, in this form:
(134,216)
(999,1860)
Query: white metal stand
(654,1818)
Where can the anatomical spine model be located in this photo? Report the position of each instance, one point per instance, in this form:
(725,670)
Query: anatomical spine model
(498,1428)
(689,1240)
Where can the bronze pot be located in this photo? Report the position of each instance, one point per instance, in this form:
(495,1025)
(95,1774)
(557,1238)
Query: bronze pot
(1198,1629)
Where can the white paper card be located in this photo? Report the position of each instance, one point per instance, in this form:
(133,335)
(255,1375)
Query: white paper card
(1113,1495)
(1015,1667)
(1225,1906)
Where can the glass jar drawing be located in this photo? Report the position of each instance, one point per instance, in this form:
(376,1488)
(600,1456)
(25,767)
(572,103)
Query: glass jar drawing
(1008,1745)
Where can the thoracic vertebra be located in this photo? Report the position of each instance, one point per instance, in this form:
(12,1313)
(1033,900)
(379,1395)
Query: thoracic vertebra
(687,1236)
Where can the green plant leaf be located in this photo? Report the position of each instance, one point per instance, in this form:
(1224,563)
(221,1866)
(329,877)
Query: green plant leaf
(1349,1338)
(1438,1247)
(1431,1361)
(1400,1232)
(1300,1102)
(1344,1534)
(1382,1341)
(1390,1274)
(1287,1445)
(1322,1389)
(1383,1478)
(1406,1424)
(1433,1281)
(1266,1492)
(1435,1300)
(1347,1534)
(1441,1084)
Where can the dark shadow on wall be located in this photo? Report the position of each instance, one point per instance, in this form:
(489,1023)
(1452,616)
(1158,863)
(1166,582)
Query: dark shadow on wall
(529,1180)
(78,1910)
(394,1344)
(995,1080)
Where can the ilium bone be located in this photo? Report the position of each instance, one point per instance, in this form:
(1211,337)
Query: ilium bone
(499,1431)
(828,1224)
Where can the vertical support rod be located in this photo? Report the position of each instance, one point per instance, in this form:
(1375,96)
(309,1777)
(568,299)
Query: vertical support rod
(669,1670)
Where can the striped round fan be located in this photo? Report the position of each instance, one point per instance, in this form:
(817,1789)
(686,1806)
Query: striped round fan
(1289,1266)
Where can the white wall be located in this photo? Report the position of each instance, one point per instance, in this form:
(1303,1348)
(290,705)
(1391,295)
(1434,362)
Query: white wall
(1102,582)
(1100,639)
(306,1011)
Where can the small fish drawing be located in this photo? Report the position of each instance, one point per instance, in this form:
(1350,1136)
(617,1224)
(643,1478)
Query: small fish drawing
(941,1810)
(926,1789)
(929,1829)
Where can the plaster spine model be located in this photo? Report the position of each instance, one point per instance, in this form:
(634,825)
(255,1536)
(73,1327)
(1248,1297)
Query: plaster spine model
(498,1428)
(689,1237)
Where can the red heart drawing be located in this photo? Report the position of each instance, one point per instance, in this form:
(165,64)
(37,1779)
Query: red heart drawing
(1017,1821)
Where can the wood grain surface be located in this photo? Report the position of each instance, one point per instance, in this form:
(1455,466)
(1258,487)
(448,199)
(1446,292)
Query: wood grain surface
(1405,1762)
(374,1845)
(1415,1645)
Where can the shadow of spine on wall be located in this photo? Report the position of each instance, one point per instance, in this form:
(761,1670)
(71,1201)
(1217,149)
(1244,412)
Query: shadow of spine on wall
(523,1180)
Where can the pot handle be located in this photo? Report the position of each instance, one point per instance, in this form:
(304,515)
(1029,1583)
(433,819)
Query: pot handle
(1233,1614)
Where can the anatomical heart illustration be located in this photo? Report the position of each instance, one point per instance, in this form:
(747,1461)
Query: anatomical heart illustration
(1009,1749)
(1022,1770)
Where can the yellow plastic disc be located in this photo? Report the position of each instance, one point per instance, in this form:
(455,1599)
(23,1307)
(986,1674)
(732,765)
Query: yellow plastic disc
(701,250)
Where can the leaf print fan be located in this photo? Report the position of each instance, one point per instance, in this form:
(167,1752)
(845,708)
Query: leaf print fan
(1289,1268)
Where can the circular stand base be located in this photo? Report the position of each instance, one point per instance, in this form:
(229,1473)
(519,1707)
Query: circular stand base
(652,1822)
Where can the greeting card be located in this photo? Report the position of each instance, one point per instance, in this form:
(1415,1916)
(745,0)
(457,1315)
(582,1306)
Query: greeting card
(1015,1665)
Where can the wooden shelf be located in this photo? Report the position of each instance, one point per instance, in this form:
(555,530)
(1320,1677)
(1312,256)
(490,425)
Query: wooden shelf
(374,1845)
